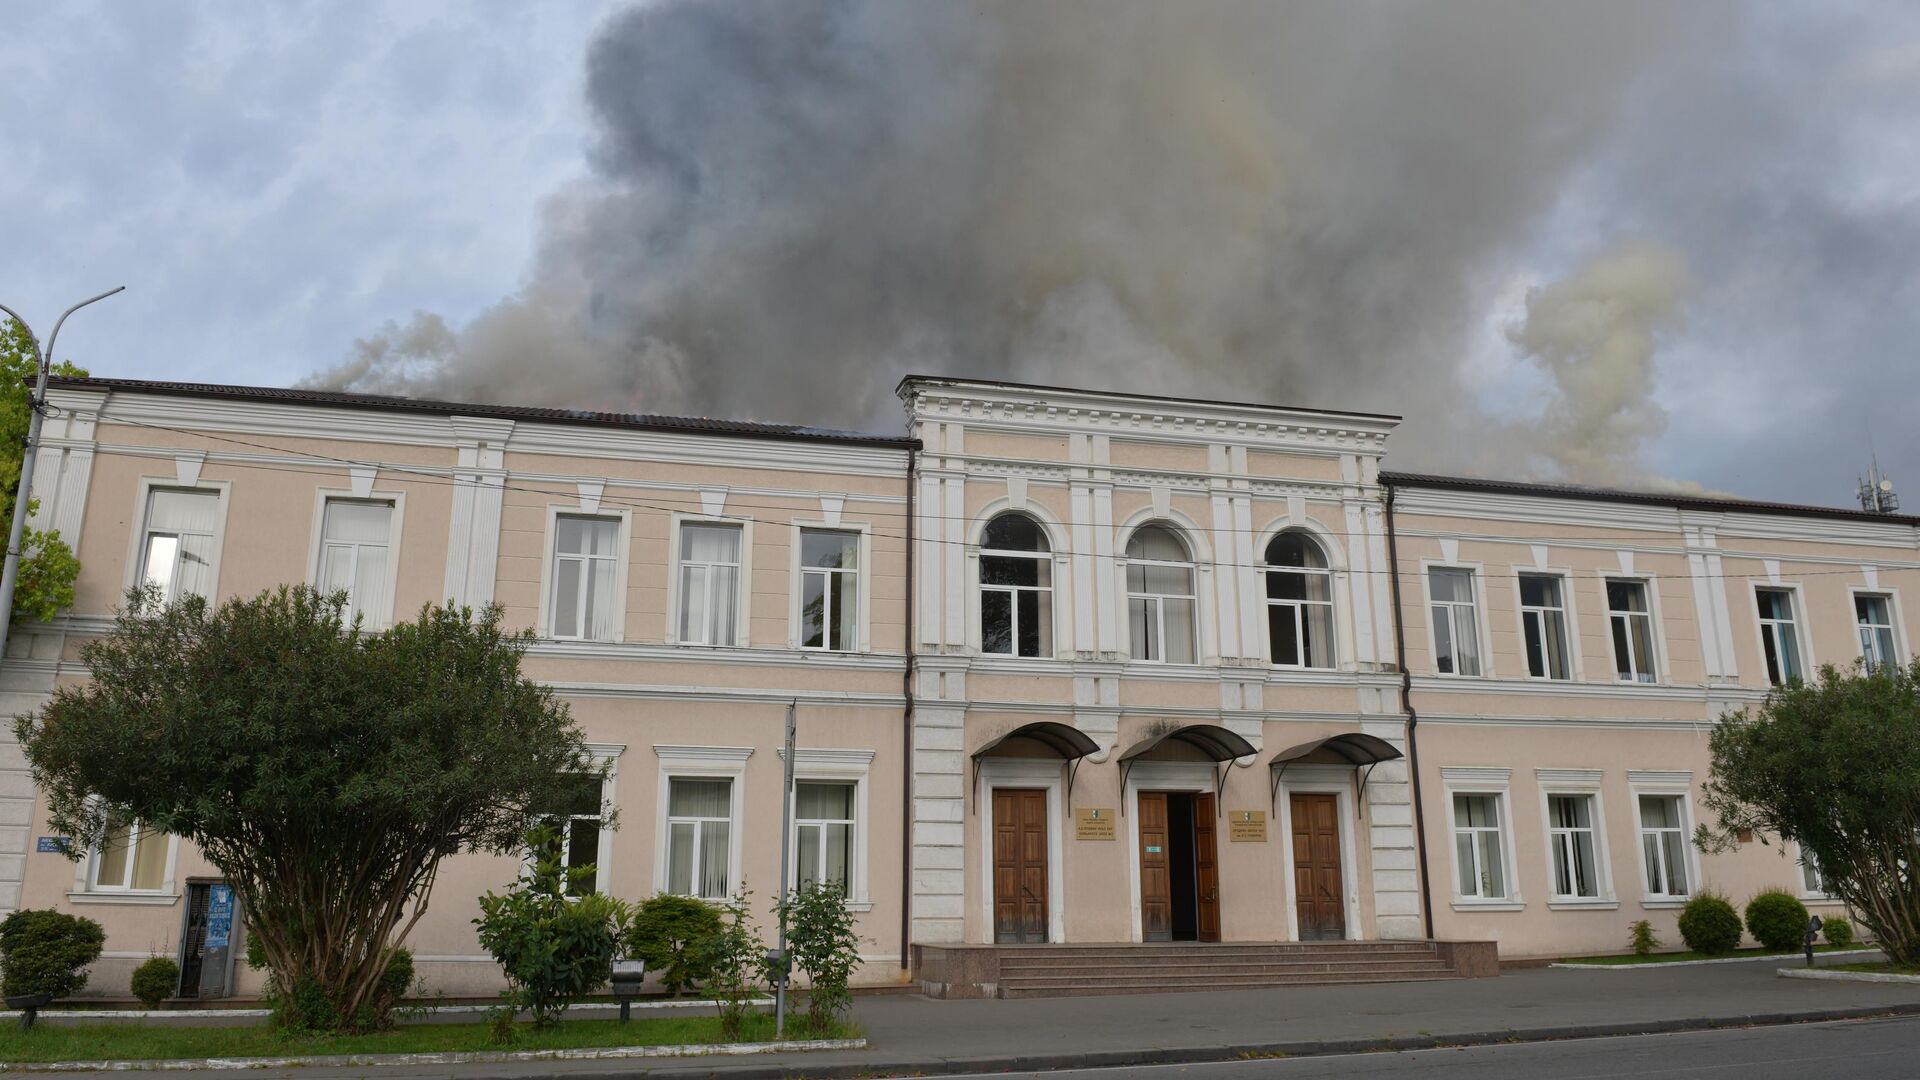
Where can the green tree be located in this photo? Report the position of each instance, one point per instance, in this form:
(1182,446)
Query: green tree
(1834,766)
(47,565)
(326,771)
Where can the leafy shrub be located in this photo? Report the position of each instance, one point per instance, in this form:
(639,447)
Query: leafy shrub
(554,949)
(1642,939)
(1777,920)
(1709,925)
(671,934)
(42,952)
(821,941)
(155,980)
(734,958)
(1838,932)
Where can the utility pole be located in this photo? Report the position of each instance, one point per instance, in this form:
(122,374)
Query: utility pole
(784,966)
(9,577)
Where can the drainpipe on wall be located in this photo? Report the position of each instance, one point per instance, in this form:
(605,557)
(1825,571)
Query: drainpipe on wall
(906,742)
(1413,718)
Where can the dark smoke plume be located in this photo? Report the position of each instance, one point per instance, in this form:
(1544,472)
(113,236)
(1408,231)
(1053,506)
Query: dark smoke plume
(791,203)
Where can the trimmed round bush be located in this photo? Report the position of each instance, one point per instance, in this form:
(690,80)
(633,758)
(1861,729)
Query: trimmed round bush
(1709,925)
(671,934)
(1837,931)
(42,952)
(154,981)
(1777,920)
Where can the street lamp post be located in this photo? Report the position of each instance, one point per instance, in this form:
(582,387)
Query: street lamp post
(9,577)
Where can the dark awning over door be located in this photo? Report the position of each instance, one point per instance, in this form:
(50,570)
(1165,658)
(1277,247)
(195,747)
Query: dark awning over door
(1068,741)
(1221,744)
(1353,747)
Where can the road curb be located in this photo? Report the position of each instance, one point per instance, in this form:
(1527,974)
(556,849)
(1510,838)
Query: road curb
(1846,976)
(876,1067)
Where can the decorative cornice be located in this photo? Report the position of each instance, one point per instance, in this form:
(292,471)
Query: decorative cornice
(1568,776)
(1656,777)
(716,755)
(1475,774)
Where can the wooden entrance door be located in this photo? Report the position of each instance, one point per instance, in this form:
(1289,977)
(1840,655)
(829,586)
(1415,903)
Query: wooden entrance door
(1156,887)
(1317,888)
(1206,868)
(1019,866)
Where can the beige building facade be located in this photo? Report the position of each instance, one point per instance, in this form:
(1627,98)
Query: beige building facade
(1069,666)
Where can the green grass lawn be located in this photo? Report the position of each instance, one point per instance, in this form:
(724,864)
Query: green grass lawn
(1676,957)
(1884,967)
(152,1040)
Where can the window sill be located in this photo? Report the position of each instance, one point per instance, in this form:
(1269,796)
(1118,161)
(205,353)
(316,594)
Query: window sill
(1583,904)
(1657,902)
(127,898)
(1820,898)
(1489,905)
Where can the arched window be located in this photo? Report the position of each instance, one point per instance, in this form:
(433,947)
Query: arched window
(1299,602)
(1016,588)
(1160,596)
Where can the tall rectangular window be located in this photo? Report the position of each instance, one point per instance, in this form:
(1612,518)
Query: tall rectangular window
(1543,617)
(1456,629)
(829,589)
(709,583)
(1663,845)
(823,833)
(1576,864)
(578,817)
(1478,850)
(354,538)
(1811,876)
(176,554)
(699,832)
(1873,614)
(132,858)
(1631,619)
(585,564)
(1778,637)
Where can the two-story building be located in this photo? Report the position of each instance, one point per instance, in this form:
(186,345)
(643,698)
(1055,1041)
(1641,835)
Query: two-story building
(1070,666)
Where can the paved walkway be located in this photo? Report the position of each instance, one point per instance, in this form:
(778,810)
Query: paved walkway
(911,1034)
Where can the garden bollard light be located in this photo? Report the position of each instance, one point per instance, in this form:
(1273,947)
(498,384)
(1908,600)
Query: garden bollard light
(1813,931)
(628,975)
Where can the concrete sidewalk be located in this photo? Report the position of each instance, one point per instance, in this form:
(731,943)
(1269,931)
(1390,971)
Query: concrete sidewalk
(916,1035)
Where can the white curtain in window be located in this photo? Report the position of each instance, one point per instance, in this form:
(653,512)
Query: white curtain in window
(709,583)
(584,564)
(179,547)
(699,830)
(354,539)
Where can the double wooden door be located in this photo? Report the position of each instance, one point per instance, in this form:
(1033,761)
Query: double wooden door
(1317,888)
(1019,866)
(1179,867)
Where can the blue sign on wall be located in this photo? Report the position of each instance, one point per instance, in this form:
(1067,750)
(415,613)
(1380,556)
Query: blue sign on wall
(219,916)
(54,845)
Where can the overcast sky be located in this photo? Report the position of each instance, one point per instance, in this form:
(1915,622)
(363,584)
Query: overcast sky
(274,181)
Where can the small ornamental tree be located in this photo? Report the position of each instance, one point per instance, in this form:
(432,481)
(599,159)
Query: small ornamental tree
(1834,766)
(821,939)
(671,933)
(45,952)
(1777,920)
(555,945)
(736,966)
(47,565)
(324,770)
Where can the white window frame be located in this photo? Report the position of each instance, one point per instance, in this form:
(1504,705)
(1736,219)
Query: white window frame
(839,766)
(701,763)
(863,579)
(1570,628)
(1668,784)
(1057,572)
(622,559)
(1583,783)
(1158,600)
(606,755)
(137,540)
(1477,574)
(1655,643)
(1892,597)
(1802,640)
(1811,896)
(374,620)
(86,891)
(743,601)
(1333,605)
(1497,782)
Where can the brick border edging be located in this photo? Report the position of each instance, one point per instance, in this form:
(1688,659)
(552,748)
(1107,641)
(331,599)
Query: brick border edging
(869,1069)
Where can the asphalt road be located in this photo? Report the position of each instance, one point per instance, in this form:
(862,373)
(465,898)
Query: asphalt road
(1866,1049)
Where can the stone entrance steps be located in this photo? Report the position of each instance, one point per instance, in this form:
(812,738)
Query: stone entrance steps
(1064,970)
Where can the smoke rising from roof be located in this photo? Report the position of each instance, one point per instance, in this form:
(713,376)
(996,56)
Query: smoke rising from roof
(792,203)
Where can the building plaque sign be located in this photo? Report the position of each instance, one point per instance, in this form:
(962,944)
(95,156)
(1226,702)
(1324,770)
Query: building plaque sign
(1247,826)
(1095,824)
